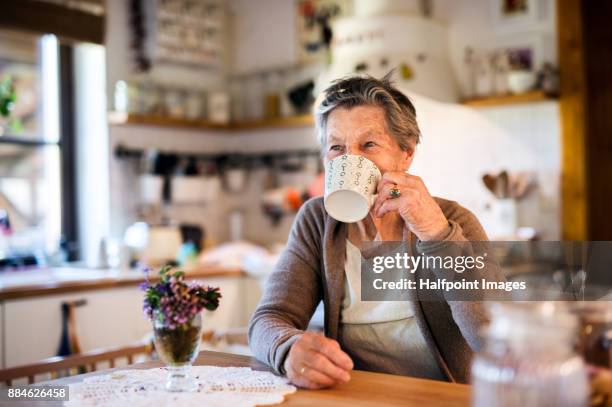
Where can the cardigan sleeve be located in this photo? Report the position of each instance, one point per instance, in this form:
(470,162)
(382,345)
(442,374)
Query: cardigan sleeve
(464,236)
(292,292)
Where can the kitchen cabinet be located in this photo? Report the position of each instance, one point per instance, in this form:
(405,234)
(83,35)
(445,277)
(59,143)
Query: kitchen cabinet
(31,327)
(109,318)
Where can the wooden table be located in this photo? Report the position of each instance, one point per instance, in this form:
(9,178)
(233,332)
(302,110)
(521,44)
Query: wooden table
(364,389)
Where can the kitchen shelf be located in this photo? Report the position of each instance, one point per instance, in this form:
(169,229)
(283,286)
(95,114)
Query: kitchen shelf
(304,120)
(502,100)
(116,118)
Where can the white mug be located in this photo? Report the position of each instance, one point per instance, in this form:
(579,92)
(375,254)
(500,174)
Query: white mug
(350,187)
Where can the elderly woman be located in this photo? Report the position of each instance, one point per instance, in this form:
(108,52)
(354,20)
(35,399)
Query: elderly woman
(368,117)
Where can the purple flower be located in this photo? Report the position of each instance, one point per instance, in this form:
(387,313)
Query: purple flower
(176,301)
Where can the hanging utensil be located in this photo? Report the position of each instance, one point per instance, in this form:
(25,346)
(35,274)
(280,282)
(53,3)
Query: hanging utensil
(491,183)
(522,185)
(503,185)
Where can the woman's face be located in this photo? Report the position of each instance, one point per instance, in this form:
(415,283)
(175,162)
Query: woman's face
(362,131)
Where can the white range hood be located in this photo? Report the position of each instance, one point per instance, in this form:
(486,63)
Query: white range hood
(393,34)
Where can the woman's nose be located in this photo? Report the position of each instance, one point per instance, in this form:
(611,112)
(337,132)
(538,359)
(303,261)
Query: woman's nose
(354,150)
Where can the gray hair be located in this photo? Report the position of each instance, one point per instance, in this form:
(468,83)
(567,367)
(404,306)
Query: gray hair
(400,114)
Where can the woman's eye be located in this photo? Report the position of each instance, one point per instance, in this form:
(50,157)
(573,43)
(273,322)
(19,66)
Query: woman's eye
(335,147)
(369,144)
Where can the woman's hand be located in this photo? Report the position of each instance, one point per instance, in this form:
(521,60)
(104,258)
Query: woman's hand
(315,362)
(415,205)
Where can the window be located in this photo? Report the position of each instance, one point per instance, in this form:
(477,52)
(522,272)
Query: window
(32,148)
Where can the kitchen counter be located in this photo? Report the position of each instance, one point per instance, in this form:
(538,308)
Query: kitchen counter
(58,280)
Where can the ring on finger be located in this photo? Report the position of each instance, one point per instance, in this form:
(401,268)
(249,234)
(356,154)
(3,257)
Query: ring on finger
(394,192)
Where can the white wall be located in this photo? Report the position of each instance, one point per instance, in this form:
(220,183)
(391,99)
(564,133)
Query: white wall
(256,25)
(460,144)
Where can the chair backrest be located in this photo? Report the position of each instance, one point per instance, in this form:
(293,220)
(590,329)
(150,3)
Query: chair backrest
(88,361)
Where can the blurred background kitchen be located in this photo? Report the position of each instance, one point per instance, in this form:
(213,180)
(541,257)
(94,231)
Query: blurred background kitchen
(143,132)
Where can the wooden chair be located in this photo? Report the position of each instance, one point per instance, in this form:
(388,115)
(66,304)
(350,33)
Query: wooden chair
(233,336)
(84,362)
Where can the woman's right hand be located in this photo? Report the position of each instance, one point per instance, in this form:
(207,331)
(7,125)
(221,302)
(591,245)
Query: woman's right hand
(315,362)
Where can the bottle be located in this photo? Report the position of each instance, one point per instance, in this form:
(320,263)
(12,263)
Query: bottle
(271,97)
(121,97)
(529,358)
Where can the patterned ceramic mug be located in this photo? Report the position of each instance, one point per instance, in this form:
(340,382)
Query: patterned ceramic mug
(350,187)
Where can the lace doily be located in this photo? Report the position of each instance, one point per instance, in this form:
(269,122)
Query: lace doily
(217,386)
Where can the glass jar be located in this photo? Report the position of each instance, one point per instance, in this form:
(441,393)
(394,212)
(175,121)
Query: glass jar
(194,105)
(271,96)
(121,97)
(178,346)
(253,96)
(150,98)
(595,345)
(595,331)
(529,358)
(174,100)
(236,100)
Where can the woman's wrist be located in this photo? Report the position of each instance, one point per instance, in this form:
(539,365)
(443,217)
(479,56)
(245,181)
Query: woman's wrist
(437,233)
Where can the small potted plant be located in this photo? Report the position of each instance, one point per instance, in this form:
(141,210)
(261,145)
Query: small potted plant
(8,97)
(174,306)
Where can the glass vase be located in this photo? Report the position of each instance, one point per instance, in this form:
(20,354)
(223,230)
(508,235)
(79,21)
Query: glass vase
(178,346)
